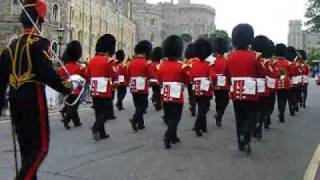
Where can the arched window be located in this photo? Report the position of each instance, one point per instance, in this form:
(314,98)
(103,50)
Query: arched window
(55,13)
(54,47)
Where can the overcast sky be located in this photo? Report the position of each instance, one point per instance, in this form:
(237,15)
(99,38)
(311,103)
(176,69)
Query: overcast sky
(268,17)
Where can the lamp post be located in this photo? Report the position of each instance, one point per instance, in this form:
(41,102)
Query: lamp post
(61,32)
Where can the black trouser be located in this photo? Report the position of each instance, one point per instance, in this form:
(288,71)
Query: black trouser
(71,112)
(293,99)
(203,103)
(122,91)
(245,112)
(102,107)
(304,91)
(270,104)
(222,101)
(262,113)
(156,96)
(140,103)
(282,98)
(192,102)
(29,114)
(173,113)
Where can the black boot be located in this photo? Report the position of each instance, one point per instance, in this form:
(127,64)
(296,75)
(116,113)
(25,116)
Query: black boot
(167,142)
(281,118)
(66,124)
(95,134)
(218,121)
(134,125)
(103,134)
(292,112)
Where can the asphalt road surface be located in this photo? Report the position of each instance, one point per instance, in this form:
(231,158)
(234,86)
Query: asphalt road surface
(283,154)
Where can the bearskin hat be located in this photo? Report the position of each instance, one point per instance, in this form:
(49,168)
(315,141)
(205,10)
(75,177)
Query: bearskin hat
(302,54)
(202,49)
(172,47)
(120,55)
(143,47)
(189,53)
(220,45)
(73,52)
(106,44)
(280,50)
(36,9)
(242,36)
(291,53)
(271,48)
(157,54)
(261,44)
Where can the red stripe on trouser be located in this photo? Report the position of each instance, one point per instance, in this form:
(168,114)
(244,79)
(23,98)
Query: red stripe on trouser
(43,134)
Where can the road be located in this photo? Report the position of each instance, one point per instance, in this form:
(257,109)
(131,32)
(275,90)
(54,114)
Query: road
(283,154)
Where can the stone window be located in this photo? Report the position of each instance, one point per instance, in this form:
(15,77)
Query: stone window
(54,47)
(55,13)
(153,22)
(152,37)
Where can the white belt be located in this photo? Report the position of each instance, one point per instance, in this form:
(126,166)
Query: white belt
(172,83)
(200,78)
(243,79)
(154,80)
(138,78)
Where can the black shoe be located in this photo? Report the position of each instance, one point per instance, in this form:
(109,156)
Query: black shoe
(281,119)
(304,106)
(112,118)
(292,112)
(218,121)
(247,149)
(95,135)
(199,133)
(266,125)
(205,130)
(175,140)
(167,144)
(141,127)
(134,125)
(257,135)
(297,109)
(104,136)
(78,124)
(66,124)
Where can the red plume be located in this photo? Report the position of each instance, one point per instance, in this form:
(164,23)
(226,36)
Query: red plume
(41,8)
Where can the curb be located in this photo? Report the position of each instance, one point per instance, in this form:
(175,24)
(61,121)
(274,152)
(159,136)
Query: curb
(313,171)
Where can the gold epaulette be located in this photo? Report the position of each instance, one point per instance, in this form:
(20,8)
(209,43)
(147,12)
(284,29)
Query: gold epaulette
(258,55)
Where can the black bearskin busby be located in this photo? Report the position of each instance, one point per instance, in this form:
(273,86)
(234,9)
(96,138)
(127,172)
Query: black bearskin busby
(202,49)
(280,50)
(73,52)
(302,54)
(120,55)
(106,44)
(242,36)
(189,53)
(220,46)
(271,49)
(143,48)
(157,54)
(291,53)
(261,44)
(172,47)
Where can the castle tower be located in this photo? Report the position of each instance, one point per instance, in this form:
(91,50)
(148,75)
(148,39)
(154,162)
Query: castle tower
(295,34)
(184,2)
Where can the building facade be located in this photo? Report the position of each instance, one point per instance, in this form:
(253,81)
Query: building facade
(301,39)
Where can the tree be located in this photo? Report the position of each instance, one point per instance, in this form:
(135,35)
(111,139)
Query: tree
(220,34)
(314,56)
(313,15)
(186,37)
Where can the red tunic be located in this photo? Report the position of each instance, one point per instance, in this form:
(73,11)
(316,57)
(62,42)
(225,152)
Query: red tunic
(242,70)
(73,68)
(305,73)
(152,71)
(284,79)
(263,68)
(200,72)
(172,75)
(294,74)
(218,73)
(122,73)
(102,75)
(273,75)
(138,74)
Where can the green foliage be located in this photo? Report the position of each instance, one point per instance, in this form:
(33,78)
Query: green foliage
(314,55)
(220,34)
(313,15)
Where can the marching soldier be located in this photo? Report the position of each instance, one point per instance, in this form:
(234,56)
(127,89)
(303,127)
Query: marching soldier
(221,88)
(138,74)
(25,66)
(305,77)
(123,80)
(284,83)
(156,89)
(189,55)
(172,74)
(71,58)
(242,72)
(102,75)
(202,89)
(293,72)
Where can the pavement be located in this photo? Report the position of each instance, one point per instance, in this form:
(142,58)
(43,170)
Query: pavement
(283,154)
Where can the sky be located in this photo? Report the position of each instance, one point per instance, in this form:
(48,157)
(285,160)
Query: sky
(268,17)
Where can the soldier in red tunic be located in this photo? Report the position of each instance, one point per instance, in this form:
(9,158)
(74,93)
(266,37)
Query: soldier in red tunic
(26,67)
(123,80)
(138,74)
(154,83)
(202,88)
(242,69)
(71,58)
(172,74)
(293,72)
(102,75)
(221,87)
(284,83)
(189,56)
(305,77)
